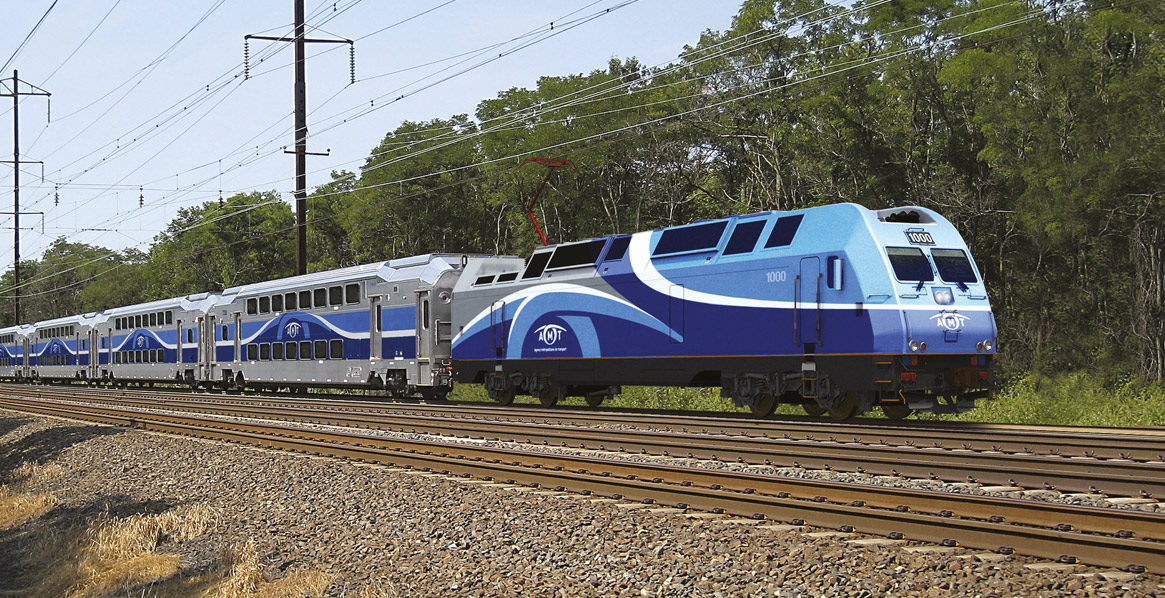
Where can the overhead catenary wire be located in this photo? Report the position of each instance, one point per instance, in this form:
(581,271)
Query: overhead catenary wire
(641,125)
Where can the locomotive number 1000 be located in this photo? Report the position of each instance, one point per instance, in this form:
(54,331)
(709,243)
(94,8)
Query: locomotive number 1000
(776,276)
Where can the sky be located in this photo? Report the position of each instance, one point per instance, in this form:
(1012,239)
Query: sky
(149,103)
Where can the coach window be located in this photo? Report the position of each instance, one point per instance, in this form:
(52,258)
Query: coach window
(292,351)
(379,318)
(225,334)
(190,335)
(425,312)
(321,349)
(265,351)
(290,303)
(305,349)
(352,293)
(277,351)
(137,321)
(336,351)
(252,352)
(153,319)
(618,249)
(321,298)
(169,318)
(277,303)
(305,299)
(252,307)
(264,305)
(336,295)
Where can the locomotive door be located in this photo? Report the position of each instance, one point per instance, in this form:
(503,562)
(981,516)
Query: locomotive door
(497,328)
(807,319)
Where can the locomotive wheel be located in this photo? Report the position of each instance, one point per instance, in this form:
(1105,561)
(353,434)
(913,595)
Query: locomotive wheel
(813,409)
(896,411)
(503,397)
(847,407)
(549,397)
(765,406)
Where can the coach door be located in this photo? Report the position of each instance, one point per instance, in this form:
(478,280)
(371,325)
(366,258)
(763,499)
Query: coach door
(375,325)
(806,317)
(94,352)
(26,359)
(206,357)
(424,327)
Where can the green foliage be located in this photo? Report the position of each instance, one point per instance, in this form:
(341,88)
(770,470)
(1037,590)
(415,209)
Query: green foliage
(1073,399)
(250,238)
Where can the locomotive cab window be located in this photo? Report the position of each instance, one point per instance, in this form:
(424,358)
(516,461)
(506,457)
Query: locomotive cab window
(576,254)
(784,231)
(953,265)
(537,265)
(700,237)
(910,265)
(744,237)
(618,249)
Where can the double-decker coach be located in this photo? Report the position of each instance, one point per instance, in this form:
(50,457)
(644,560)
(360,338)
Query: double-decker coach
(381,325)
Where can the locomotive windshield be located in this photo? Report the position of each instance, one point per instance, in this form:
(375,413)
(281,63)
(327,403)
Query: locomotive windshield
(953,265)
(910,264)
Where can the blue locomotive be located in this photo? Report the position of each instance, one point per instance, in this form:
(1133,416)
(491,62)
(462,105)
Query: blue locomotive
(838,308)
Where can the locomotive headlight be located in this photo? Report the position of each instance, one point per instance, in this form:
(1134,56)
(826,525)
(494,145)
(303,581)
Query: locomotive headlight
(988,345)
(914,346)
(943,295)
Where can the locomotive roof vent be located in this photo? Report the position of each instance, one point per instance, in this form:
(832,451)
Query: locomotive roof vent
(904,216)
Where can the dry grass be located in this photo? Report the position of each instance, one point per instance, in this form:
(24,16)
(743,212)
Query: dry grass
(241,576)
(119,554)
(18,507)
(34,472)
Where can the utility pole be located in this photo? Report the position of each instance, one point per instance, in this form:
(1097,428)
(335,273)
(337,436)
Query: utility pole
(15,94)
(301,152)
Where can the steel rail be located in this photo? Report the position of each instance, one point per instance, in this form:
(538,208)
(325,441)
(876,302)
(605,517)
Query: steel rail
(1019,471)
(1137,444)
(1029,527)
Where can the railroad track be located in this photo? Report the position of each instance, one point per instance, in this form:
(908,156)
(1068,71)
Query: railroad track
(873,452)
(1130,540)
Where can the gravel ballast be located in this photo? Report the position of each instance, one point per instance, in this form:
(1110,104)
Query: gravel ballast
(395,533)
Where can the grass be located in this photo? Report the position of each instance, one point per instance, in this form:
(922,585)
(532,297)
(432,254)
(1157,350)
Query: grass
(111,557)
(1072,399)
(1075,399)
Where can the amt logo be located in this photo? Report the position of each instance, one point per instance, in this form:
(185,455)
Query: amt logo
(293,329)
(950,321)
(550,333)
(141,341)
